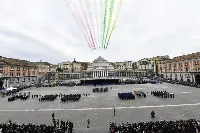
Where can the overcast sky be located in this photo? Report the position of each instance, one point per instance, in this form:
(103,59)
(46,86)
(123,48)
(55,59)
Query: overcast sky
(45,30)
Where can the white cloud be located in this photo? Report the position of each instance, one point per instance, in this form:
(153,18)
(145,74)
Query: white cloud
(36,29)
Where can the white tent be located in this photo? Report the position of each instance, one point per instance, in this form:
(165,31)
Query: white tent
(10,89)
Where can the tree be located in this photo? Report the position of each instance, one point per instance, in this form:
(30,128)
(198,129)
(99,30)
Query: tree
(59,70)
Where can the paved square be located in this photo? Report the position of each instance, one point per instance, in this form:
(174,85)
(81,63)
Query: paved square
(98,107)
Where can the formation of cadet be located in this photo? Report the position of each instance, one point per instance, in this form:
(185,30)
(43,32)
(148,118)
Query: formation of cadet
(162,94)
(39,96)
(15,97)
(48,97)
(71,97)
(181,126)
(100,89)
(58,127)
(126,96)
(131,96)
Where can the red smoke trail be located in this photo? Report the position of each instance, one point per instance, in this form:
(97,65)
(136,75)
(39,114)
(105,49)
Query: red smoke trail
(87,24)
(82,23)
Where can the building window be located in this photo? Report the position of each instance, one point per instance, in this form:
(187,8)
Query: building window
(186,63)
(18,69)
(11,74)
(196,62)
(18,74)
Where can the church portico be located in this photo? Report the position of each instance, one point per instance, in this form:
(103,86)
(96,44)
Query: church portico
(100,73)
(100,68)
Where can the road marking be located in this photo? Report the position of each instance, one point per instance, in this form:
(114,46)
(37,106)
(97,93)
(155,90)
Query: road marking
(91,96)
(165,87)
(86,109)
(76,90)
(185,92)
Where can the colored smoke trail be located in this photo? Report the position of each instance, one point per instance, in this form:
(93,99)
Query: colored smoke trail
(115,21)
(91,20)
(110,19)
(105,17)
(87,23)
(79,19)
(101,22)
(97,19)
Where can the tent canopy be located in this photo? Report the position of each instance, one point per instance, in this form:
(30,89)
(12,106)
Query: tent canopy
(10,89)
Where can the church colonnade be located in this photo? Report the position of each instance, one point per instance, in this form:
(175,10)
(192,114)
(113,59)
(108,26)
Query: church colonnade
(100,74)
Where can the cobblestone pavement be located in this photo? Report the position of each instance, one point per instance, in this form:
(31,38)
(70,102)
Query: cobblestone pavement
(98,107)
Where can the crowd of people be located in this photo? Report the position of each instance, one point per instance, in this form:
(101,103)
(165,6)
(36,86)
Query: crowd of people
(179,126)
(48,97)
(71,97)
(100,89)
(58,126)
(15,97)
(162,94)
(86,94)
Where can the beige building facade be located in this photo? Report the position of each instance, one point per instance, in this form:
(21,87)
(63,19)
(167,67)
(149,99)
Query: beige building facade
(17,68)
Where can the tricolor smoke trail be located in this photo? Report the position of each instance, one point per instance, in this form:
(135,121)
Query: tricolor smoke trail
(97,19)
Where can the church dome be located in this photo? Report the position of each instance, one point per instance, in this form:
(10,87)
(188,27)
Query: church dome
(100,59)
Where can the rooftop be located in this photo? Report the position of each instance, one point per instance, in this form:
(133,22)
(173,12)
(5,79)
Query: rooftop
(15,62)
(184,58)
(99,59)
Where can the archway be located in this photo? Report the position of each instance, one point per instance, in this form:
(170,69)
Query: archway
(188,80)
(197,79)
(1,84)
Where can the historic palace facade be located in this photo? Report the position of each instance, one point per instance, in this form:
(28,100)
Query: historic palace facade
(185,68)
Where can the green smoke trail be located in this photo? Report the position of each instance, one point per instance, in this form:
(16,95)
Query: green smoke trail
(110,19)
(105,17)
(115,21)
